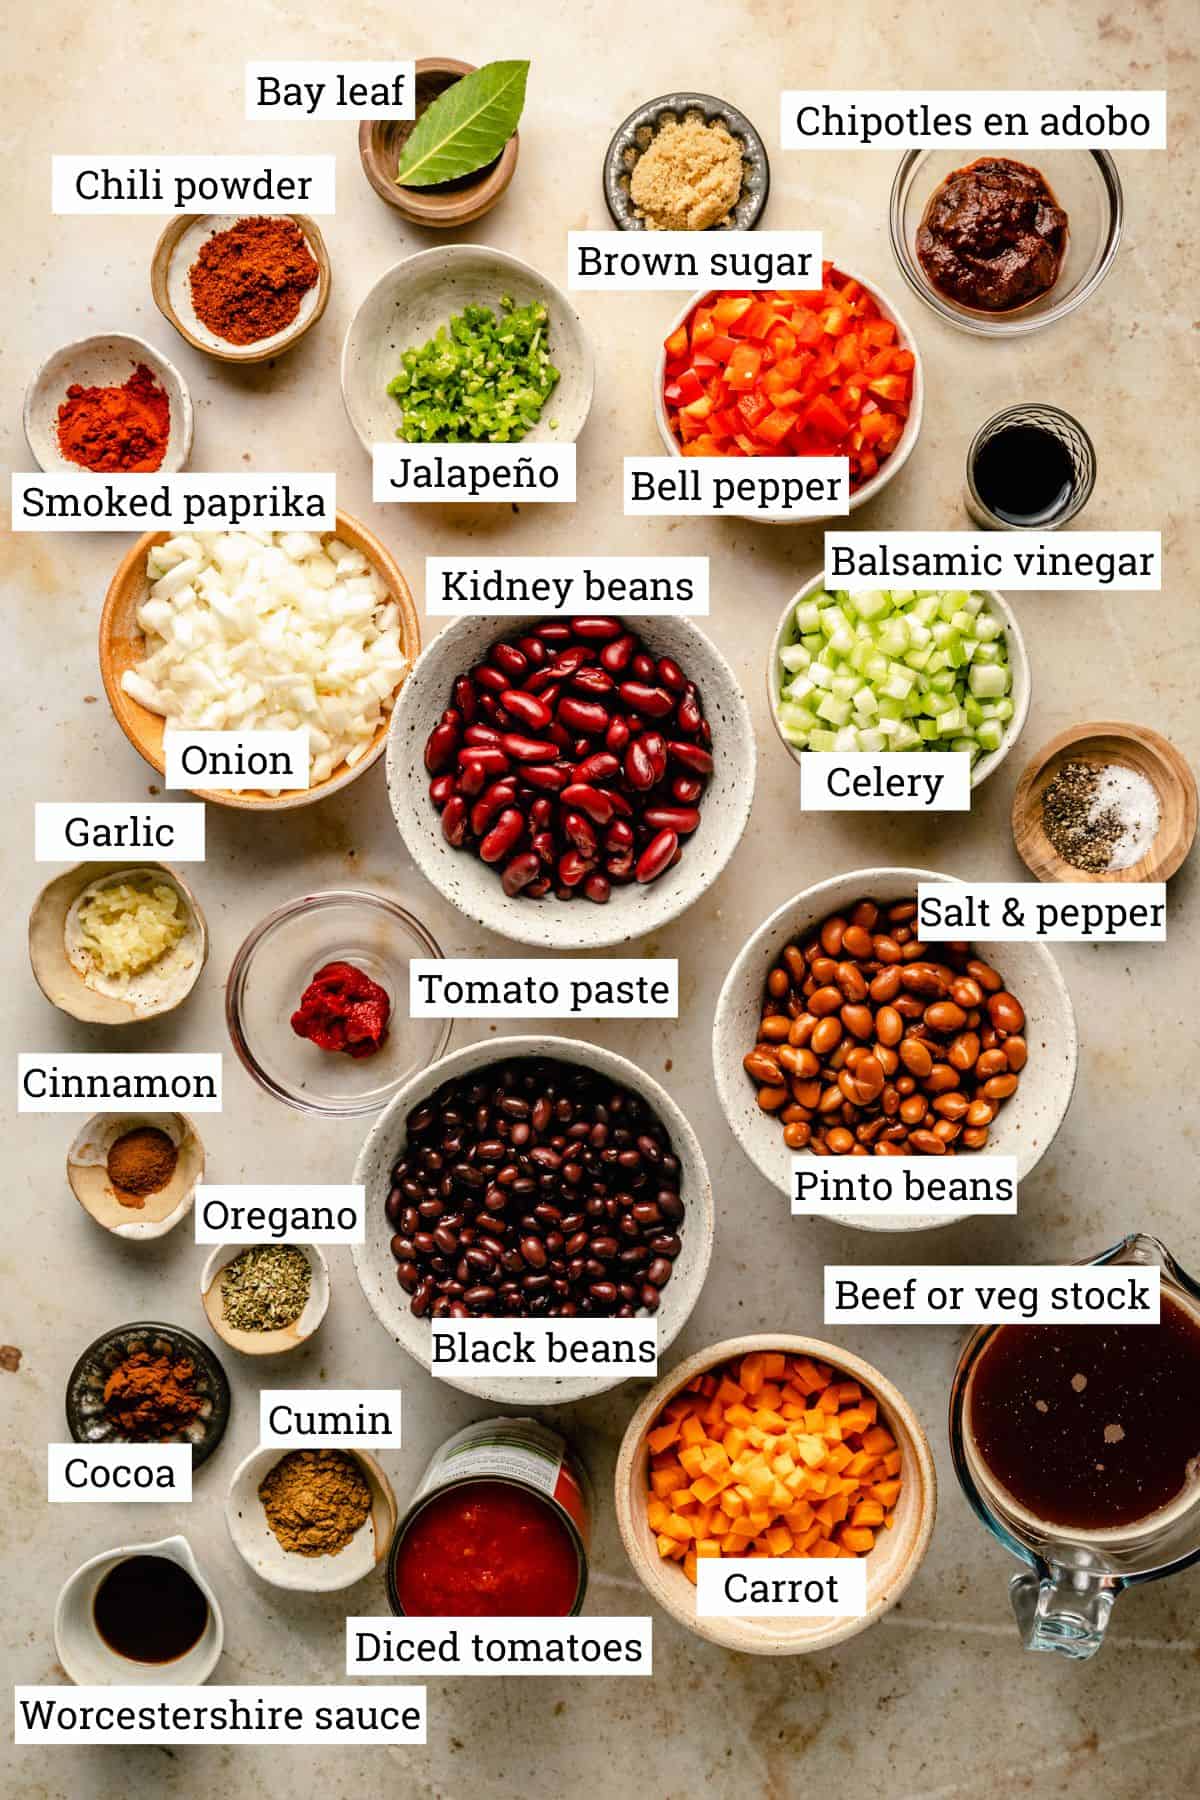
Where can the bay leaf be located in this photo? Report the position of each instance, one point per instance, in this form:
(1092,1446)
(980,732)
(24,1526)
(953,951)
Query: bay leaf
(466,127)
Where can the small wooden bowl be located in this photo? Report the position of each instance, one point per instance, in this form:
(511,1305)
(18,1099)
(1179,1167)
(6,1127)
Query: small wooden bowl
(176,251)
(258,1546)
(160,1212)
(1135,747)
(62,982)
(890,1566)
(380,142)
(122,646)
(265,1343)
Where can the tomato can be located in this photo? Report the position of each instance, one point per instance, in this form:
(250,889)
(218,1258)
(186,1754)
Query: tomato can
(518,1453)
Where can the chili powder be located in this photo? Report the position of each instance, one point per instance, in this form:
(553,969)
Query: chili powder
(248,282)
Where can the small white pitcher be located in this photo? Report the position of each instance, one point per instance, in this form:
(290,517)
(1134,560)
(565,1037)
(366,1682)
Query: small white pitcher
(90,1662)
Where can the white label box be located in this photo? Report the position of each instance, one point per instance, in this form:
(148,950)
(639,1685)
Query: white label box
(888,781)
(1017,118)
(1001,1294)
(662,261)
(493,474)
(778,487)
(521,1646)
(1060,912)
(242,1214)
(101,183)
(78,500)
(81,1082)
(329,1418)
(119,1472)
(532,586)
(781,1587)
(330,90)
(542,1347)
(1064,562)
(273,1715)
(237,760)
(899,1186)
(66,831)
(503,987)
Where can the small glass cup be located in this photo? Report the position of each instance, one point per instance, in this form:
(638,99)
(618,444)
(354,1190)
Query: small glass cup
(1074,440)
(1063,1599)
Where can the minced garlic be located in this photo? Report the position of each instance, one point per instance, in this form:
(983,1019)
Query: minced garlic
(124,928)
(688,178)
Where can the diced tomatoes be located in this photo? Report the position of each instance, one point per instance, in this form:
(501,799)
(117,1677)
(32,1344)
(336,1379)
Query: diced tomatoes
(773,373)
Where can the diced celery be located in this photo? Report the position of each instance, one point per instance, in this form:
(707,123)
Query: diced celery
(873,739)
(808,615)
(845,686)
(875,604)
(865,701)
(952,722)
(847,738)
(967,744)
(899,683)
(906,739)
(990,734)
(928,729)
(823,740)
(987,680)
(943,682)
(988,628)
(794,656)
(834,710)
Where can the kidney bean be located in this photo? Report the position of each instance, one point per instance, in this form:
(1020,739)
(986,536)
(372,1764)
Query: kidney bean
(639,770)
(686,789)
(528,709)
(482,736)
(602,765)
(688,716)
(582,833)
(692,756)
(589,716)
(500,794)
(504,835)
(597,887)
(641,697)
(455,821)
(590,629)
(572,867)
(440,789)
(526,749)
(618,653)
(594,801)
(680,819)
(656,857)
(441,744)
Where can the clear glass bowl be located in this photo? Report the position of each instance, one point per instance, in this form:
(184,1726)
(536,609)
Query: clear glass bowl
(276,964)
(1084,182)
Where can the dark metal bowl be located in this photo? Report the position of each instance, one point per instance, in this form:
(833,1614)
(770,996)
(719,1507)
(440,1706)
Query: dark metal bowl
(637,133)
(86,1418)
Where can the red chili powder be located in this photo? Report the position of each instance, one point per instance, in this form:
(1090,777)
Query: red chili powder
(116,429)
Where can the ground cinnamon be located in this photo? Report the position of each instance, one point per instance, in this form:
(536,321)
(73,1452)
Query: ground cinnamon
(116,429)
(140,1162)
(248,282)
(150,1397)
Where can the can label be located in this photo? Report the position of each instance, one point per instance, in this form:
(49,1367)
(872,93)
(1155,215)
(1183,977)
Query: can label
(517,1450)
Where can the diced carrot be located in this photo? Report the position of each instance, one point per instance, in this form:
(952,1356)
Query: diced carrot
(858,1541)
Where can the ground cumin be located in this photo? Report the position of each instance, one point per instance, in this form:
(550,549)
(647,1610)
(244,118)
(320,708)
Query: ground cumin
(248,282)
(688,178)
(315,1501)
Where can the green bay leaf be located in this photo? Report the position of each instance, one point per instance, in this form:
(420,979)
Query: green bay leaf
(466,127)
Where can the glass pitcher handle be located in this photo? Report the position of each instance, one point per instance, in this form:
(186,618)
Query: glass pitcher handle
(1063,1609)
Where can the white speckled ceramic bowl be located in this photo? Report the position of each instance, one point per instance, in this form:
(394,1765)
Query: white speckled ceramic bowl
(891,1565)
(136,1219)
(413,298)
(1025,1125)
(181,242)
(261,1550)
(107,360)
(474,886)
(890,467)
(1022,681)
(376,1266)
(265,1343)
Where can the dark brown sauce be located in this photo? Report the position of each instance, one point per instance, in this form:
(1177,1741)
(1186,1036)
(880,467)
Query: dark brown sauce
(149,1609)
(1090,1426)
(993,236)
(1024,475)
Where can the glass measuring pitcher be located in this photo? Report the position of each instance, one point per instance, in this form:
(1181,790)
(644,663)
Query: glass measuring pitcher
(1064,1597)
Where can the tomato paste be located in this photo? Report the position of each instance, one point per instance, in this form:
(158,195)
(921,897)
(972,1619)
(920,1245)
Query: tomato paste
(487,1549)
(343,1009)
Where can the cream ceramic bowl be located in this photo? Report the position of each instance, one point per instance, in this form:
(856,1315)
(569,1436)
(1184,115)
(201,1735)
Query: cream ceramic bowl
(265,1343)
(376,1266)
(1022,681)
(177,249)
(261,1550)
(894,463)
(474,886)
(413,298)
(1025,1125)
(159,989)
(159,1212)
(88,1660)
(891,1565)
(107,360)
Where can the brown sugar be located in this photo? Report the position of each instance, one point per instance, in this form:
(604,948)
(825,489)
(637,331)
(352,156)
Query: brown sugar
(688,178)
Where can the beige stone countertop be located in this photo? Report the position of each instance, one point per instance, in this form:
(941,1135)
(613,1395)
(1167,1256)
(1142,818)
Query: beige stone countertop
(937,1702)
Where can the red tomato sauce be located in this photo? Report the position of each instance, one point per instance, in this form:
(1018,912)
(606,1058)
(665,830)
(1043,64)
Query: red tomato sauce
(487,1549)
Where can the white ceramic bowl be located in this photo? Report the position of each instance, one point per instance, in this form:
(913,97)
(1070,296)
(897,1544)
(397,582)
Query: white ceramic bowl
(258,1546)
(474,886)
(107,360)
(1025,1125)
(160,1212)
(1022,680)
(893,464)
(265,1343)
(376,1266)
(891,1565)
(88,1660)
(413,298)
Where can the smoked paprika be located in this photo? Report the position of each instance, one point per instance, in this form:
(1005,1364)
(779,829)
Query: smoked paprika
(248,282)
(116,429)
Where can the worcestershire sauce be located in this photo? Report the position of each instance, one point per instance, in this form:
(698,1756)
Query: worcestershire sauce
(149,1609)
(1091,1426)
(1024,475)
